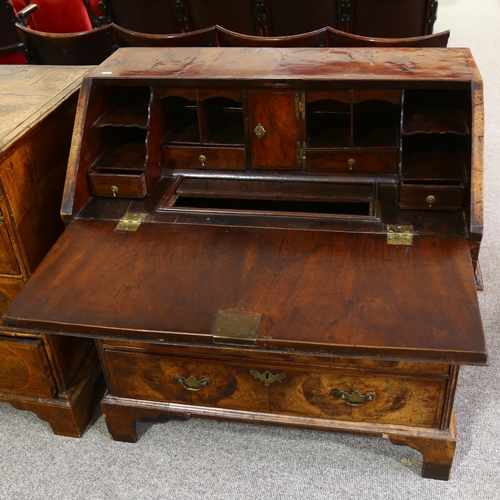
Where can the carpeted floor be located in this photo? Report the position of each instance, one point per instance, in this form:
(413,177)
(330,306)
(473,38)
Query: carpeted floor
(201,459)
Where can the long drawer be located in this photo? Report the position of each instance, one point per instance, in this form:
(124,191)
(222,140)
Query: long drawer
(355,395)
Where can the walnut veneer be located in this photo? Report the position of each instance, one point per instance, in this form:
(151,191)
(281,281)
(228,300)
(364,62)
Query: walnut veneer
(275,236)
(49,375)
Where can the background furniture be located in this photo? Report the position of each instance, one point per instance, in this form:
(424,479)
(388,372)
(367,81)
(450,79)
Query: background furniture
(84,48)
(12,50)
(278,238)
(380,18)
(51,376)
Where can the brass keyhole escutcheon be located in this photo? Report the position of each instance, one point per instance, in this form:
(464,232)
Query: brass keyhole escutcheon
(430,200)
(266,377)
(202,159)
(259,131)
(351,162)
(114,190)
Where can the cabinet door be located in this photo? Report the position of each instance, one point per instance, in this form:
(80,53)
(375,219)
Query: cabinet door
(276,124)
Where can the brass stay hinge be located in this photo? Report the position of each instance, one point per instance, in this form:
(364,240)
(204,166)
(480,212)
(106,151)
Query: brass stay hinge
(300,106)
(130,222)
(300,154)
(399,235)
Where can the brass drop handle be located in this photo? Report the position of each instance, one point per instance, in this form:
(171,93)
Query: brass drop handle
(202,159)
(266,377)
(430,200)
(192,383)
(114,190)
(355,398)
(351,162)
(259,131)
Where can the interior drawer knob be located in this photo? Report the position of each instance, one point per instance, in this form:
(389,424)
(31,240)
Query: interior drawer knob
(192,383)
(351,162)
(355,398)
(114,190)
(430,200)
(202,159)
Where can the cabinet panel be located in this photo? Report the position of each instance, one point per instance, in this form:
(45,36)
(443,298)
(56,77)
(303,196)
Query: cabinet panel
(9,289)
(8,261)
(24,368)
(274,146)
(432,196)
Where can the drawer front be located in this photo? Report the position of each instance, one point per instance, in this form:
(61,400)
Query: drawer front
(205,158)
(431,197)
(352,161)
(9,290)
(24,368)
(118,185)
(384,398)
(8,261)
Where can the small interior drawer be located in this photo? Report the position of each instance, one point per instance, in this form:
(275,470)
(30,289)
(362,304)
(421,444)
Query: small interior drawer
(431,196)
(352,161)
(119,185)
(209,158)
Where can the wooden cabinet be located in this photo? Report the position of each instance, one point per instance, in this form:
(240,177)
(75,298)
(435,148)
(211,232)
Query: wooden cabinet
(51,376)
(270,251)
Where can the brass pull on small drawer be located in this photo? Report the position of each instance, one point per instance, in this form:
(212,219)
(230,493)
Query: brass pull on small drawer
(202,159)
(351,162)
(430,200)
(192,383)
(114,190)
(355,398)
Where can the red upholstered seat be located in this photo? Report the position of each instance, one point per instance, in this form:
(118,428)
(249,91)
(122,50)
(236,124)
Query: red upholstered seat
(60,16)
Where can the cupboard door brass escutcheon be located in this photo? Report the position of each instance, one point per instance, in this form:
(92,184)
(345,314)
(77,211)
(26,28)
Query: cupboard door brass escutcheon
(114,190)
(430,200)
(267,377)
(202,159)
(355,398)
(192,383)
(351,163)
(259,131)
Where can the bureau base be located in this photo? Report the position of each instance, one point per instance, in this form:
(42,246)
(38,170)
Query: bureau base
(437,446)
(68,413)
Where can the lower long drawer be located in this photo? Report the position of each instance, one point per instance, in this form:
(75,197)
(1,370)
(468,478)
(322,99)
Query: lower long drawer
(24,368)
(391,398)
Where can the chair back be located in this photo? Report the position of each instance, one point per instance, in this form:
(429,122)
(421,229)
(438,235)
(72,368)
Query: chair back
(291,17)
(144,16)
(235,15)
(84,48)
(340,39)
(201,38)
(228,38)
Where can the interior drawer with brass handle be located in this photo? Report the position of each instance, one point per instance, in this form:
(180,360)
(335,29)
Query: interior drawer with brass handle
(353,161)
(431,196)
(210,158)
(265,387)
(118,185)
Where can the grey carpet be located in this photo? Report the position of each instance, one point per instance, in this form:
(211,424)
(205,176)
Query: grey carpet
(201,459)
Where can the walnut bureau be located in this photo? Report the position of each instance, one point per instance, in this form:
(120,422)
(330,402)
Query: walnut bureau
(275,236)
(49,375)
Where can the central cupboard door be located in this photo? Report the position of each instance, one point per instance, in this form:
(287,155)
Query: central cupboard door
(276,123)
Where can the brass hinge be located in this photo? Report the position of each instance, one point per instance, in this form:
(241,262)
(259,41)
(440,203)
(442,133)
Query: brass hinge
(235,327)
(432,16)
(399,235)
(345,14)
(300,106)
(300,154)
(130,222)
